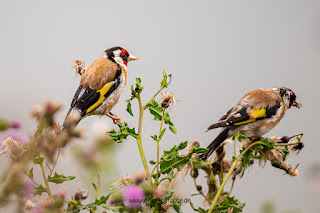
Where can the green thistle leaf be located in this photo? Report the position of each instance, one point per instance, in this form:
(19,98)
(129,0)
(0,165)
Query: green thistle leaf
(39,190)
(38,160)
(57,179)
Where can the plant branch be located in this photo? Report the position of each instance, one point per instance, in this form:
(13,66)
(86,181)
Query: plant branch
(143,157)
(161,88)
(158,146)
(46,181)
(229,174)
(31,178)
(55,162)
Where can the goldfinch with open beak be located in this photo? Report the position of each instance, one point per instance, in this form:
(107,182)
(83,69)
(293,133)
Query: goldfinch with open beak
(254,115)
(101,85)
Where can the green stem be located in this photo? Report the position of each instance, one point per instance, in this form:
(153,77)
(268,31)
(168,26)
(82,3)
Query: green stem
(155,166)
(31,178)
(158,147)
(287,144)
(161,88)
(229,174)
(143,157)
(46,181)
(55,162)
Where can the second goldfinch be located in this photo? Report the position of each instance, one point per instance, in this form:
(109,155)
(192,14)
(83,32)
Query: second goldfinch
(254,115)
(101,85)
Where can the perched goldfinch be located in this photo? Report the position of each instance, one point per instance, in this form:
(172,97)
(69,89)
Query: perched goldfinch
(101,85)
(254,115)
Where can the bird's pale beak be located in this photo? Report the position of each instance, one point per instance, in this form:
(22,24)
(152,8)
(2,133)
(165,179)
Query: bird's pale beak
(132,58)
(297,104)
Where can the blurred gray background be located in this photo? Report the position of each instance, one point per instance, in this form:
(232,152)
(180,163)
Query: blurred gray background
(215,50)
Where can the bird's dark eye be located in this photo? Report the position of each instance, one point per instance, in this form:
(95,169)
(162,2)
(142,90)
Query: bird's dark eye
(122,55)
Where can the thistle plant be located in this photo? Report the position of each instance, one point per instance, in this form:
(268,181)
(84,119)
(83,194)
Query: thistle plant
(145,191)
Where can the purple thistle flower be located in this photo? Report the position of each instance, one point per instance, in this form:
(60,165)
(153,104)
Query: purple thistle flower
(15,124)
(38,210)
(28,188)
(132,196)
(15,136)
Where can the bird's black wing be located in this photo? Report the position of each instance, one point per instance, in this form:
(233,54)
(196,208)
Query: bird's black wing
(247,115)
(226,115)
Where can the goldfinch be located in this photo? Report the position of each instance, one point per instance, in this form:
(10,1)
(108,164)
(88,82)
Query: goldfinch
(254,115)
(101,85)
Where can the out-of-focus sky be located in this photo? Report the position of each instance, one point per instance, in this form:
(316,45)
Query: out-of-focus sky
(215,50)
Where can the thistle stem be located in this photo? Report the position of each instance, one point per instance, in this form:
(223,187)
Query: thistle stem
(158,147)
(46,181)
(229,174)
(55,162)
(143,157)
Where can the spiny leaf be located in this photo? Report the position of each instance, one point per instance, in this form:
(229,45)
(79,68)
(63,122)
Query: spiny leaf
(59,178)
(95,186)
(129,110)
(138,80)
(240,137)
(39,190)
(102,200)
(182,145)
(152,162)
(157,111)
(229,203)
(31,173)
(169,176)
(154,137)
(123,133)
(162,133)
(177,205)
(38,160)
(164,82)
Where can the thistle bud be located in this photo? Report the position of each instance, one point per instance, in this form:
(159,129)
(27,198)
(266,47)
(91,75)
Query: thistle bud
(194,173)
(285,139)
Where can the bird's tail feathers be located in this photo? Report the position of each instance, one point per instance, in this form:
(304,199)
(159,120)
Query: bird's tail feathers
(215,144)
(73,117)
(216,125)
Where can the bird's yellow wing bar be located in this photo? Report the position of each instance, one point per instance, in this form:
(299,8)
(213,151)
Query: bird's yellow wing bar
(255,113)
(102,97)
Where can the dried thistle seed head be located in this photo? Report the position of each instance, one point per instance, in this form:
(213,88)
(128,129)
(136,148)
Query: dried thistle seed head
(139,177)
(298,147)
(158,192)
(13,149)
(123,181)
(199,188)
(29,206)
(79,66)
(51,106)
(79,195)
(36,111)
(57,127)
(221,152)
(215,167)
(237,170)
(167,99)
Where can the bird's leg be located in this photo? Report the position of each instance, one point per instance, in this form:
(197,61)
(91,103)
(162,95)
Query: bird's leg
(114,117)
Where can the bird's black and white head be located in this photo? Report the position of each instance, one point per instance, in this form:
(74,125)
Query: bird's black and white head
(119,56)
(288,97)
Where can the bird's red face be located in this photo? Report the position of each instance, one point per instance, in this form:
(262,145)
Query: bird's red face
(124,55)
(293,101)
(289,97)
(120,56)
